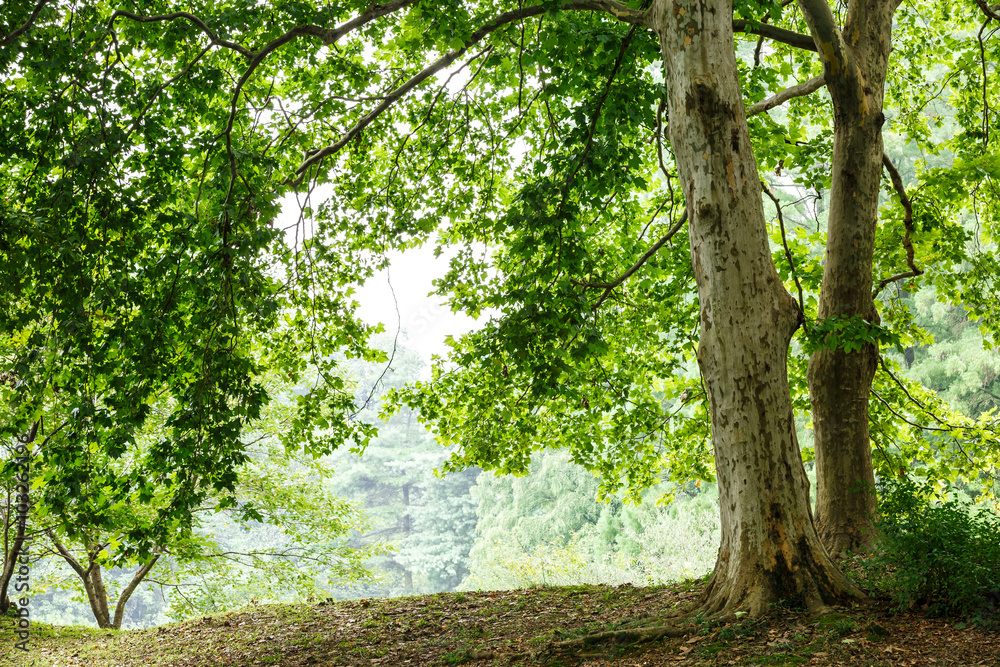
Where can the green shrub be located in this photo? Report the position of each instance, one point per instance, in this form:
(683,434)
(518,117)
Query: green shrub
(943,555)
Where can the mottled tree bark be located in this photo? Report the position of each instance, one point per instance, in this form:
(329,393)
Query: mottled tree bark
(770,550)
(854,64)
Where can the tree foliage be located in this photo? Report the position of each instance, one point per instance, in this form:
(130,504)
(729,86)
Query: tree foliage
(147,150)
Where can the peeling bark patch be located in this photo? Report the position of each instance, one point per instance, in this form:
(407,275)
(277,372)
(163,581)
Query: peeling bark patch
(831,64)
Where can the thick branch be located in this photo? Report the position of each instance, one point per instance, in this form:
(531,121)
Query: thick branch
(372,13)
(97,605)
(991,12)
(331,35)
(841,71)
(191,18)
(12,556)
(826,34)
(774,33)
(10,565)
(619,10)
(504,19)
(9,39)
(779,98)
(67,556)
(894,278)
(897,183)
(100,595)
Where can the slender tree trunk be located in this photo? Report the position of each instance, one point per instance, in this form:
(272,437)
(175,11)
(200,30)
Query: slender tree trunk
(127,593)
(770,550)
(9,567)
(94,587)
(100,594)
(12,555)
(839,381)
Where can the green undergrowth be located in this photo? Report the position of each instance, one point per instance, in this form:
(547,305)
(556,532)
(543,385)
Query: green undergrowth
(937,553)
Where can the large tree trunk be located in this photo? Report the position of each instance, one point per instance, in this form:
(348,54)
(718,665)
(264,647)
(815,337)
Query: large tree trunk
(770,550)
(839,381)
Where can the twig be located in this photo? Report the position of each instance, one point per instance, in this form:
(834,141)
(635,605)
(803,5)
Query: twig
(609,287)
(890,408)
(784,242)
(897,183)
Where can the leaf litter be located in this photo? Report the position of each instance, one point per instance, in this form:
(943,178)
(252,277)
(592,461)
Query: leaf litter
(517,627)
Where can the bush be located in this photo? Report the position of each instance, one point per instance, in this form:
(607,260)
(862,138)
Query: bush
(943,555)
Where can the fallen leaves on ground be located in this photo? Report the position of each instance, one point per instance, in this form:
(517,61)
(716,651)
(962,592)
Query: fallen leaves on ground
(522,626)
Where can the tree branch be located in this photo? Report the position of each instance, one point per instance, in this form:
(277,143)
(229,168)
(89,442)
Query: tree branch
(642,260)
(779,98)
(991,12)
(897,183)
(67,556)
(985,67)
(26,25)
(776,34)
(372,13)
(316,156)
(127,593)
(191,18)
(906,391)
(616,9)
(97,605)
(169,82)
(596,116)
(784,242)
(889,407)
(840,69)
(891,279)
(609,287)
(619,10)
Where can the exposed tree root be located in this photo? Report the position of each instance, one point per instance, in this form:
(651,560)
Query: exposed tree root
(605,645)
(716,603)
(630,636)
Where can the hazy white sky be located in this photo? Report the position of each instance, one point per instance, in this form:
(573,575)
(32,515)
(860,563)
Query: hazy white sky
(425,320)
